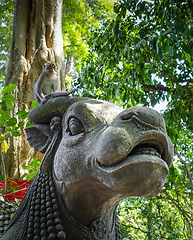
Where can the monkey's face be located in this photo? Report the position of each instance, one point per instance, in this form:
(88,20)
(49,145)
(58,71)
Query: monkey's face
(49,67)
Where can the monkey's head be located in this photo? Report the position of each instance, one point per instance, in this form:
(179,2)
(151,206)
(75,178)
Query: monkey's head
(49,68)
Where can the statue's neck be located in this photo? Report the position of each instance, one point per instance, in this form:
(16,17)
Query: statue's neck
(100,228)
(81,222)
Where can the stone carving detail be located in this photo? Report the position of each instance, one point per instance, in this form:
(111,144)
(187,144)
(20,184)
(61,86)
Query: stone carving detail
(95,155)
(44,216)
(98,229)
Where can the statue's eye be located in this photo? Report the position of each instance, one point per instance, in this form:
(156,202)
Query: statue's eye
(75,126)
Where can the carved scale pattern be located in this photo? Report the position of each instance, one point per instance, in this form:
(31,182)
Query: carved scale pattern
(44,216)
(117,229)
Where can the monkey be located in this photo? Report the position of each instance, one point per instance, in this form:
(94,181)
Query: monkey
(47,82)
(47,85)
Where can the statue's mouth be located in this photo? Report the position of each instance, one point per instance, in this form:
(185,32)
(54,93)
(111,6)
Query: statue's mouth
(150,151)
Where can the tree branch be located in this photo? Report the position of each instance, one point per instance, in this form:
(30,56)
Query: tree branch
(186,166)
(137,228)
(159,87)
(184,213)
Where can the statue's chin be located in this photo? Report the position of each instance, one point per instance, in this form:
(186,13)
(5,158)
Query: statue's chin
(137,175)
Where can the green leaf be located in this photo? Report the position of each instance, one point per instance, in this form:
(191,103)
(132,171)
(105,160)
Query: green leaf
(171,51)
(9,88)
(141,64)
(34,163)
(4,115)
(179,26)
(188,58)
(157,46)
(173,36)
(20,124)
(160,54)
(16,133)
(2,177)
(32,175)
(186,48)
(9,105)
(166,45)
(12,121)
(14,189)
(22,114)
(27,168)
(24,175)
(142,6)
(142,33)
(161,13)
(34,104)
(29,124)
(8,97)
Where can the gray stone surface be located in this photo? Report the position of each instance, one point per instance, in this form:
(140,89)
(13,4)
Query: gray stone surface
(95,155)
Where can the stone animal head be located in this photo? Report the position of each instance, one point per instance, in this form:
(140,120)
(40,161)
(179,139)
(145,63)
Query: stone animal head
(97,154)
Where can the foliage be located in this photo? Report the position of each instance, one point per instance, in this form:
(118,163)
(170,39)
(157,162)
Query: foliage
(10,125)
(144,56)
(6,121)
(33,170)
(152,218)
(79,17)
(6,24)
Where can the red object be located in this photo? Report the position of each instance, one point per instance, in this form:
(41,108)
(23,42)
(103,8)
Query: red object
(19,192)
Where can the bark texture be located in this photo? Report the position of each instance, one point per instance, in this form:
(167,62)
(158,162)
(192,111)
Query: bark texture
(37,38)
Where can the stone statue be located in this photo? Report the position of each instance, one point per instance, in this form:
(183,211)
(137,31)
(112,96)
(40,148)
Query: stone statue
(95,155)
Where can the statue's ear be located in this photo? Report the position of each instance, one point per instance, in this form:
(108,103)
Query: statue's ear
(39,136)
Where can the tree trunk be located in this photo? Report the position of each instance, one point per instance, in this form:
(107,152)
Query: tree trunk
(69,66)
(37,38)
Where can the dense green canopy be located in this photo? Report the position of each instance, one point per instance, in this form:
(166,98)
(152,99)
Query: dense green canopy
(6,24)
